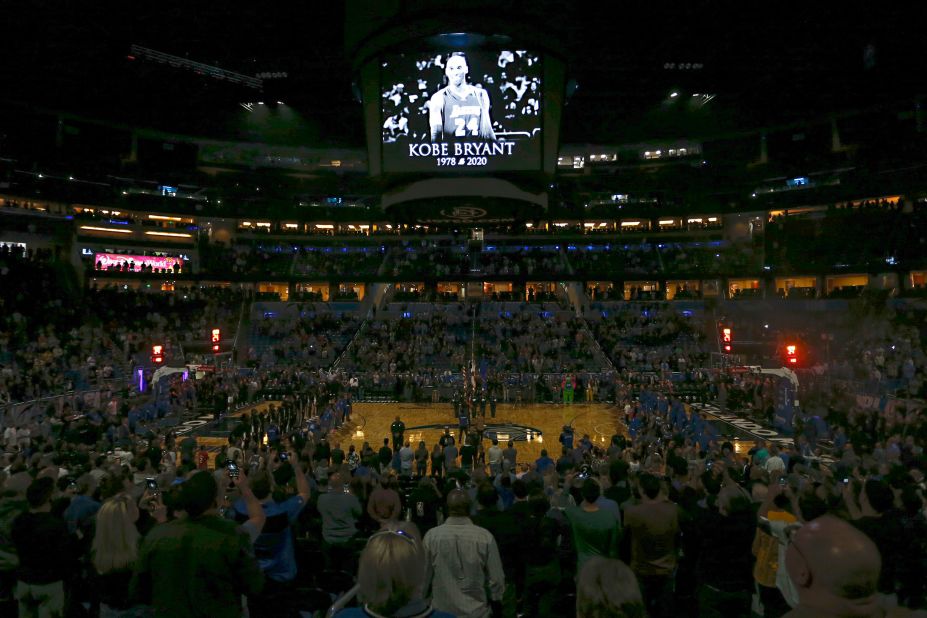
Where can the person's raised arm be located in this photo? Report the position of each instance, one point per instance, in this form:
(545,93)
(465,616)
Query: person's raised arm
(796,503)
(256,515)
(772,490)
(302,483)
(152,502)
(849,498)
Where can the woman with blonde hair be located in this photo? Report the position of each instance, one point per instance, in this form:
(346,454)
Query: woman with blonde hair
(391,577)
(113,555)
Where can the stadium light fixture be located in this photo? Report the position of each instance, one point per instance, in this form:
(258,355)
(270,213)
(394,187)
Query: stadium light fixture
(170,234)
(94,228)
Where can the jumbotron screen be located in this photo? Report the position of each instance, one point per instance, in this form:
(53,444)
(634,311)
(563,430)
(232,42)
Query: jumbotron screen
(469,111)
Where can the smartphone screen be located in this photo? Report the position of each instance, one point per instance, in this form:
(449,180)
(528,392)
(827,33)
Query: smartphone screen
(233,470)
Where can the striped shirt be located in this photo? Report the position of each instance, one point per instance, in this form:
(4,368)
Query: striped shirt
(463,562)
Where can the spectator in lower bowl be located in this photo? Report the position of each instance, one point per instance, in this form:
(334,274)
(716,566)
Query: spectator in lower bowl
(391,578)
(114,554)
(607,588)
(198,565)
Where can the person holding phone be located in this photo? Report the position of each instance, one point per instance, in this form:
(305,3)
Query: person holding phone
(275,547)
(204,544)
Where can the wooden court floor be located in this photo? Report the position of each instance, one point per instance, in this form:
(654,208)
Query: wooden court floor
(371,421)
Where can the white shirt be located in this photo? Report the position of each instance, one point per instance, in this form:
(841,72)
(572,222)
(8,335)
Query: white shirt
(406,457)
(775,464)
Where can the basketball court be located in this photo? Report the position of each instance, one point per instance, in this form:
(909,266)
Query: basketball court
(533,427)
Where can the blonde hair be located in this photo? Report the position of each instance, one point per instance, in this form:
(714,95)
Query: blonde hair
(115,543)
(392,570)
(608,589)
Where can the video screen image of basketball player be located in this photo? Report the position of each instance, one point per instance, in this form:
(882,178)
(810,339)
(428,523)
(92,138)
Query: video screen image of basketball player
(459,110)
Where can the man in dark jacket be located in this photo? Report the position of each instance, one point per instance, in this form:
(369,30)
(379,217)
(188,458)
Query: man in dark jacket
(725,562)
(200,565)
(47,554)
(385,456)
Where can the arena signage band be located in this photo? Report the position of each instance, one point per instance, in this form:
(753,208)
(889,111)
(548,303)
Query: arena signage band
(454,220)
(455,111)
(113,261)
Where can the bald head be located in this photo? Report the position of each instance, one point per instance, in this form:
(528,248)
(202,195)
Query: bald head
(458,503)
(835,568)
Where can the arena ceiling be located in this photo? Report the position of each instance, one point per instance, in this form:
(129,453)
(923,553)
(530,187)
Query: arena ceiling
(761,65)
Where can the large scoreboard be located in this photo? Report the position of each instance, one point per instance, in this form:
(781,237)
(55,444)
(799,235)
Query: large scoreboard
(461,111)
(436,108)
(462,108)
